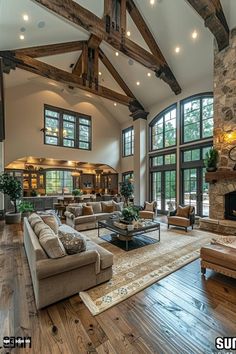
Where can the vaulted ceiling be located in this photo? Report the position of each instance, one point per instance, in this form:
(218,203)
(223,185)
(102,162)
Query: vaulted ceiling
(171,23)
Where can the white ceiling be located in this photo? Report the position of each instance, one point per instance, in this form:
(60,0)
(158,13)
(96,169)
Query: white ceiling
(171,23)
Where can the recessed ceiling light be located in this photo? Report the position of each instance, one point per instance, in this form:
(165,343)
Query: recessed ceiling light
(117,54)
(152,2)
(115,104)
(25,17)
(149,74)
(128,33)
(194,34)
(100,73)
(177,49)
(22,37)
(137,83)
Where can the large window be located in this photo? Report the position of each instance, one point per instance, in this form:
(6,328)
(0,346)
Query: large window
(197,118)
(128,141)
(68,129)
(163,129)
(126,176)
(59,182)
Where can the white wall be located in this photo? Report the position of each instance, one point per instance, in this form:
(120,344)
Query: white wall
(25,118)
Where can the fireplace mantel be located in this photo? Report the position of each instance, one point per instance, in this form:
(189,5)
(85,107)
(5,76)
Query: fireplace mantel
(226,175)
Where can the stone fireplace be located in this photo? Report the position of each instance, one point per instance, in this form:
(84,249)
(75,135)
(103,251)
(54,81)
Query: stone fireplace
(222,187)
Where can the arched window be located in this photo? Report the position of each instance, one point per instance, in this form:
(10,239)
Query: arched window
(163,129)
(197,118)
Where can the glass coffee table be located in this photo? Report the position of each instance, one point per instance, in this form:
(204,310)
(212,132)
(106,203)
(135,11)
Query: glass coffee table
(126,235)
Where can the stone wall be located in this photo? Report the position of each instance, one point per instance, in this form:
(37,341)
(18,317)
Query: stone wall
(225,102)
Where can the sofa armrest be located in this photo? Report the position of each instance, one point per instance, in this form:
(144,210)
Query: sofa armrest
(48,267)
(69,215)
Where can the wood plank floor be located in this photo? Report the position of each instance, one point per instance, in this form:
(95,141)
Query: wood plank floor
(183,313)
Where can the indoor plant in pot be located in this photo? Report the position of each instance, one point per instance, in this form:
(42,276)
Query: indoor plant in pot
(211,159)
(130,214)
(77,192)
(12,187)
(126,190)
(26,208)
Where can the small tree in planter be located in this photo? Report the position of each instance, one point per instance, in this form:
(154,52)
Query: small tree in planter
(12,187)
(126,190)
(211,159)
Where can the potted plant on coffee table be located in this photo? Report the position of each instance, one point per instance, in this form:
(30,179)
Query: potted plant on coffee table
(11,187)
(211,159)
(129,215)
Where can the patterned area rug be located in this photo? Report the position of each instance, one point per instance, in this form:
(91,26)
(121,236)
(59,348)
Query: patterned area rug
(137,269)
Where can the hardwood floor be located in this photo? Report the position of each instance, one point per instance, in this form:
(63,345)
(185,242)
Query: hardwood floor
(183,313)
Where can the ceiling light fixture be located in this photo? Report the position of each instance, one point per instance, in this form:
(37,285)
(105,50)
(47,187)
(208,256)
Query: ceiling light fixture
(115,104)
(152,2)
(100,73)
(194,34)
(149,74)
(138,83)
(128,33)
(22,37)
(25,17)
(117,54)
(177,49)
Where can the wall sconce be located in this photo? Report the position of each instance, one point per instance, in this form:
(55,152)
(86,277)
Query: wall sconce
(44,130)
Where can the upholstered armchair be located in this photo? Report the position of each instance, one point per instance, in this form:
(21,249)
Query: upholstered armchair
(183,216)
(149,210)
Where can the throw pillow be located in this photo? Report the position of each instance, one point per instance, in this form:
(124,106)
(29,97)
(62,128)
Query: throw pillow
(87,210)
(72,240)
(34,219)
(183,211)
(51,221)
(51,243)
(39,227)
(149,206)
(51,212)
(118,206)
(97,207)
(107,208)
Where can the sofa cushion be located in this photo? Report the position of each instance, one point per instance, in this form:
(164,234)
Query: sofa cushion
(50,212)
(51,221)
(118,206)
(51,243)
(108,208)
(102,216)
(106,257)
(178,221)
(34,219)
(72,240)
(183,211)
(85,219)
(87,210)
(221,255)
(97,207)
(39,227)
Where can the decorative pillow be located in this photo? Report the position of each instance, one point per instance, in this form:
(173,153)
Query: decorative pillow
(51,221)
(107,208)
(149,206)
(118,206)
(72,240)
(34,219)
(51,212)
(51,243)
(183,211)
(76,210)
(87,210)
(97,207)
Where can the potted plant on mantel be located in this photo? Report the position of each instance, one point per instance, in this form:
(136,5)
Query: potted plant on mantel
(126,190)
(11,187)
(211,159)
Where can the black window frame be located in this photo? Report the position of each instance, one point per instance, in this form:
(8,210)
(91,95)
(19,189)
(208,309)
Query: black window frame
(127,173)
(124,131)
(78,116)
(200,96)
(155,120)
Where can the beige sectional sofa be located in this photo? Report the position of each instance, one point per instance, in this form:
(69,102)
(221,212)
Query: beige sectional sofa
(56,279)
(80,222)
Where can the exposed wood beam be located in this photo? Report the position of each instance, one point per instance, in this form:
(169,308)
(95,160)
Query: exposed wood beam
(81,64)
(114,73)
(52,49)
(82,17)
(213,15)
(35,66)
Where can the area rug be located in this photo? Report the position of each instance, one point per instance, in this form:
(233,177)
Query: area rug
(136,242)
(135,270)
